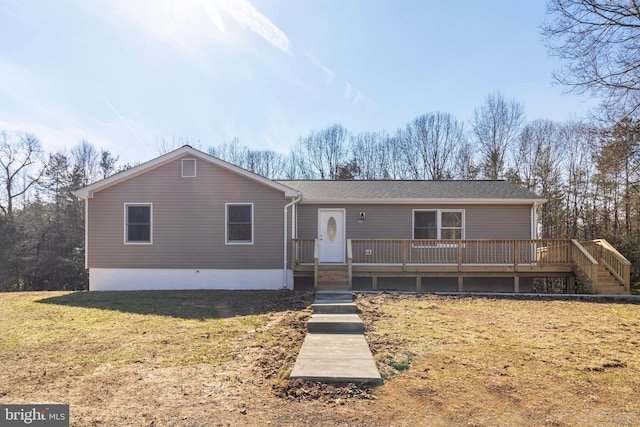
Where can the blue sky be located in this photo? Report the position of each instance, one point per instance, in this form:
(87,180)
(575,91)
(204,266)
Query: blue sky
(123,74)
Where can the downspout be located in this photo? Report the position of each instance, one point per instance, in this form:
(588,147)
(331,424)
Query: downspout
(285,245)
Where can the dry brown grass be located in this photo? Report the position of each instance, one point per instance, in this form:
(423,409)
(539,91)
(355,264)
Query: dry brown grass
(221,358)
(483,361)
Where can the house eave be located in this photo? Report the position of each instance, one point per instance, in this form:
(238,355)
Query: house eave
(413,201)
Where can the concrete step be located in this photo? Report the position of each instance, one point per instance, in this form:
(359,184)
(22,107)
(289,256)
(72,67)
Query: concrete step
(336,358)
(335,324)
(333,307)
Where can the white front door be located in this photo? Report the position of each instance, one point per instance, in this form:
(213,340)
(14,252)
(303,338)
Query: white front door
(331,235)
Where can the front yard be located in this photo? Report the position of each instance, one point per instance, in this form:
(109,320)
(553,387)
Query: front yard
(222,358)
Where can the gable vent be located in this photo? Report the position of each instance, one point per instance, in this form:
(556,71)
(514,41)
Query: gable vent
(188,168)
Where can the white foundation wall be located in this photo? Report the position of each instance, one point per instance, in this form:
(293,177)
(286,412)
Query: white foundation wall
(146,279)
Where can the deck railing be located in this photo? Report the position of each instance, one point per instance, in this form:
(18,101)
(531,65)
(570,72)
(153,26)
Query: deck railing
(303,251)
(583,258)
(512,252)
(611,259)
(411,251)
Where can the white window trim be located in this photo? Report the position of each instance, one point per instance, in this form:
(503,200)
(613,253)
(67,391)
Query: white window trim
(226,225)
(438,222)
(195,164)
(126,205)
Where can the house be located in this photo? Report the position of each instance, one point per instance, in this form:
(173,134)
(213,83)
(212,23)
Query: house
(187,220)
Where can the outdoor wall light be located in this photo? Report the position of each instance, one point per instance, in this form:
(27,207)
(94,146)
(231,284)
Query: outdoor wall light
(362,215)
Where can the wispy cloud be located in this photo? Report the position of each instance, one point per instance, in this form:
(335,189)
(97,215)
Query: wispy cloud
(349,93)
(243,12)
(125,123)
(187,24)
(330,74)
(353,95)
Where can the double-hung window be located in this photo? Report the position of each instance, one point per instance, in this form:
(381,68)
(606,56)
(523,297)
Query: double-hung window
(438,224)
(239,221)
(138,223)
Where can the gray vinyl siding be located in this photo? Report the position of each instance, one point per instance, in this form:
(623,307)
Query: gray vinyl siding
(395,221)
(188,221)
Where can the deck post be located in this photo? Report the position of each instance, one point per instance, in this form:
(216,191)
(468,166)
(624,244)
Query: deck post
(418,282)
(374,282)
(350,263)
(294,255)
(316,250)
(516,283)
(460,283)
(404,254)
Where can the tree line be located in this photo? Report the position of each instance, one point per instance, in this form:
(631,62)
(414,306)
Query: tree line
(589,174)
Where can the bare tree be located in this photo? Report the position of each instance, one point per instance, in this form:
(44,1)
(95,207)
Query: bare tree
(232,152)
(325,151)
(430,145)
(267,163)
(165,145)
(85,159)
(19,171)
(372,154)
(495,125)
(599,41)
(578,163)
(466,165)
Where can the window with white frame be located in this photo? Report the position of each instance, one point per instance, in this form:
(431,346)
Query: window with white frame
(438,224)
(188,168)
(138,223)
(239,223)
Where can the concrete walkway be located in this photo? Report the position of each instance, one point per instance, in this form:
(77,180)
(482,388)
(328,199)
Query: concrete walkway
(335,349)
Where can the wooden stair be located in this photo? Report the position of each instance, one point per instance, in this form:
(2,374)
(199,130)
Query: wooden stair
(333,277)
(606,283)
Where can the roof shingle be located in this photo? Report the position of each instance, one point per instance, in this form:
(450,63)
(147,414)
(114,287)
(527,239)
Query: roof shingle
(388,190)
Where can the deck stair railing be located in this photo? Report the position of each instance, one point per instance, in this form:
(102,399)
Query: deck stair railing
(612,260)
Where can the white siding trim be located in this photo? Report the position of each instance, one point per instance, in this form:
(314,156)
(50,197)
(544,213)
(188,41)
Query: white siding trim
(141,279)
(86,233)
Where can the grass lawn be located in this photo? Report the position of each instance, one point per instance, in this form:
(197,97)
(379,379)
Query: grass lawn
(222,358)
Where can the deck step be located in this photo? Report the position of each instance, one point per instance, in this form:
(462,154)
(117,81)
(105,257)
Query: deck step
(333,277)
(335,324)
(334,307)
(610,289)
(334,296)
(333,286)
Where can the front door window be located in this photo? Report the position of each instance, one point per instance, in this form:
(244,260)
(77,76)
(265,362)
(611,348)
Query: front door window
(331,229)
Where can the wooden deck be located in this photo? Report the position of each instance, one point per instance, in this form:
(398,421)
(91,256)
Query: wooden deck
(596,265)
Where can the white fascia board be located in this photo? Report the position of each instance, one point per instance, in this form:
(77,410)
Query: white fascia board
(88,191)
(423,201)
